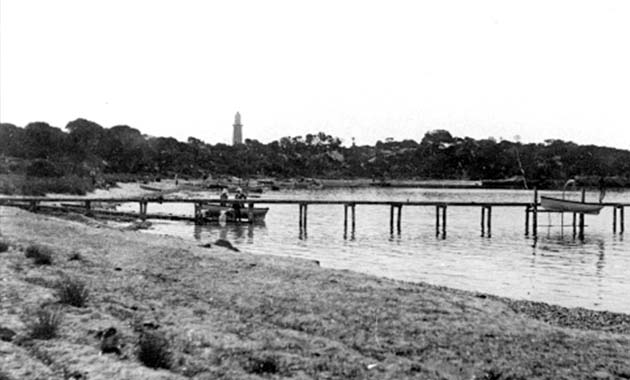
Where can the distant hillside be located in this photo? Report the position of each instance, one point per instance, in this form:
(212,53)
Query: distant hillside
(84,148)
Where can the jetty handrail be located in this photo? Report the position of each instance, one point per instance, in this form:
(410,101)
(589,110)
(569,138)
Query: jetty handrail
(279,201)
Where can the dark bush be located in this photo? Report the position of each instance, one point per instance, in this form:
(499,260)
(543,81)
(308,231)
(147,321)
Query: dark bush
(75,256)
(63,185)
(262,365)
(153,350)
(43,168)
(72,292)
(40,254)
(44,323)
(4,246)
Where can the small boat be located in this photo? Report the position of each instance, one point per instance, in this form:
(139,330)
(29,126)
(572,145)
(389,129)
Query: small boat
(214,212)
(563,205)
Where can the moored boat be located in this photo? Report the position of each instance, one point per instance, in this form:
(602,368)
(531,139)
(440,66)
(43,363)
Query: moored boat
(563,205)
(214,213)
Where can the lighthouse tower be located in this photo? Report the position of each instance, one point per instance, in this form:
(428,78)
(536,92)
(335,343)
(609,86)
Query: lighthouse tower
(237,137)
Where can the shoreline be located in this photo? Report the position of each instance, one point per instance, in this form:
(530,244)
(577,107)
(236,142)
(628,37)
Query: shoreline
(236,315)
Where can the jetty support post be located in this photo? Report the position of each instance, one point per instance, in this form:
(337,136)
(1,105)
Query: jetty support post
(437,221)
(301,217)
(440,209)
(398,222)
(88,208)
(250,212)
(143,210)
(444,222)
(353,220)
(527,210)
(489,221)
(486,222)
(483,221)
(305,216)
(621,220)
(391,219)
(345,221)
(581,231)
(574,224)
(535,214)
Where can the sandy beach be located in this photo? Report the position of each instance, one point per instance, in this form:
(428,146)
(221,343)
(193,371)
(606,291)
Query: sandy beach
(233,315)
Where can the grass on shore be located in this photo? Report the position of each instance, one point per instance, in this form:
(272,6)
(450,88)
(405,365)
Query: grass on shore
(181,311)
(72,291)
(43,323)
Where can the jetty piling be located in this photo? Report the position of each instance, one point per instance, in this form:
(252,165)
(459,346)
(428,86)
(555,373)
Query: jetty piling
(615,220)
(250,211)
(535,215)
(527,211)
(621,219)
(303,214)
(398,207)
(144,206)
(440,211)
(391,219)
(353,220)
(399,222)
(437,220)
(88,208)
(301,217)
(581,231)
(486,222)
(345,221)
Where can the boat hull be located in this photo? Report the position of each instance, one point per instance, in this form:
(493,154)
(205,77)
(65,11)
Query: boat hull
(212,213)
(563,205)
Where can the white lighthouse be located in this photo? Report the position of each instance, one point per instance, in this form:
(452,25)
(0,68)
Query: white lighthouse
(237,137)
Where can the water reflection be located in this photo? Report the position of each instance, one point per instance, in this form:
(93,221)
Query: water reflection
(236,232)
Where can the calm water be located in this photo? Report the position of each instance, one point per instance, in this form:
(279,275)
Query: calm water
(555,268)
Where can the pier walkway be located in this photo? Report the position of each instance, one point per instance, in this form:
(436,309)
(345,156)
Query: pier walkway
(531,210)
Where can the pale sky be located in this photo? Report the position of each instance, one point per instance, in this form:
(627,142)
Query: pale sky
(363,69)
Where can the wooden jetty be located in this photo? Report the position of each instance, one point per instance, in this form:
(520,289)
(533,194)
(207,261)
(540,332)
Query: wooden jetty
(532,209)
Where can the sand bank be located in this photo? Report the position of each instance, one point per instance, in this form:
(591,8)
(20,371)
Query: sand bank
(233,315)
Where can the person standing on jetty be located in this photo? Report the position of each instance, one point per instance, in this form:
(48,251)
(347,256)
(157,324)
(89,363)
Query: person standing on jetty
(223,197)
(237,206)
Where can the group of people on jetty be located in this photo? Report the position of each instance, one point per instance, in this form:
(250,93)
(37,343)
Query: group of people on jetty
(240,195)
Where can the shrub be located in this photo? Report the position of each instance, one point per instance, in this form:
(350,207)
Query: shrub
(72,292)
(153,350)
(44,322)
(40,254)
(43,168)
(4,246)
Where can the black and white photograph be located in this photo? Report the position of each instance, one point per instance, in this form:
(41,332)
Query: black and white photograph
(276,189)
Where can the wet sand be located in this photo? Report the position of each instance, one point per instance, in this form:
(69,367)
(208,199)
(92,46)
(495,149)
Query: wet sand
(233,315)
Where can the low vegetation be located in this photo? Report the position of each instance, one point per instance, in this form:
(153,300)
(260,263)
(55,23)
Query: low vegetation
(40,254)
(85,154)
(72,291)
(44,322)
(154,350)
(4,246)
(38,186)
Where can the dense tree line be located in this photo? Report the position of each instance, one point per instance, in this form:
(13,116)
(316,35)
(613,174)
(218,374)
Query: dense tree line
(85,148)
